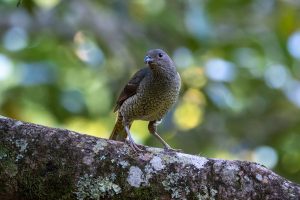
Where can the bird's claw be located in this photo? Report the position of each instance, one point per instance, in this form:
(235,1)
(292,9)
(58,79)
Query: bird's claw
(171,149)
(134,146)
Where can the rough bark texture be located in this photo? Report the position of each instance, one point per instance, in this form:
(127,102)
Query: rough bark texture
(38,162)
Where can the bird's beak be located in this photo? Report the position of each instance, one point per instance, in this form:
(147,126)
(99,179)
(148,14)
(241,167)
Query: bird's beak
(148,60)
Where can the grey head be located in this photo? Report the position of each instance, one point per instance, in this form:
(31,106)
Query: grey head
(157,58)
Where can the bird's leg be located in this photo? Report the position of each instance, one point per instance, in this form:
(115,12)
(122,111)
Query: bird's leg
(130,140)
(152,129)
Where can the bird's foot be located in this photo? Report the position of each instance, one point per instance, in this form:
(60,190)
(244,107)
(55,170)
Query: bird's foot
(134,146)
(168,148)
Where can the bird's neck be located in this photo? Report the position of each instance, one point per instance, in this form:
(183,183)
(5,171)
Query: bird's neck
(162,72)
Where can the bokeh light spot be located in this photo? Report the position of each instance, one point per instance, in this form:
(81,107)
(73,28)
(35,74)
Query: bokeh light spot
(220,70)
(196,20)
(187,116)
(194,77)
(38,73)
(72,101)
(250,59)
(49,4)
(292,91)
(221,95)
(194,96)
(15,39)
(6,67)
(266,156)
(276,76)
(183,57)
(293,45)
(87,50)
(150,7)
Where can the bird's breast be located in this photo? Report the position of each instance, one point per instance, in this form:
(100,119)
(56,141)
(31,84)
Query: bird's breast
(157,98)
(153,99)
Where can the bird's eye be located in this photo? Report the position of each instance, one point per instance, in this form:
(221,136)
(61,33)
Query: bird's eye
(160,55)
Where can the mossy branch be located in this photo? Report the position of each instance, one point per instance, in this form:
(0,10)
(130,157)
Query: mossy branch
(38,162)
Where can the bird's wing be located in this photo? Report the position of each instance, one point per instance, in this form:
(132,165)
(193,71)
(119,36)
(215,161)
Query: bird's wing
(132,86)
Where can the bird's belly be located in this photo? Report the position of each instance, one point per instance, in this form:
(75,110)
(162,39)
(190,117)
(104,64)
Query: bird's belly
(156,108)
(151,105)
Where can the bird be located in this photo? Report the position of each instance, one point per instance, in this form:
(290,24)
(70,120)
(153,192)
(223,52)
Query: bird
(148,96)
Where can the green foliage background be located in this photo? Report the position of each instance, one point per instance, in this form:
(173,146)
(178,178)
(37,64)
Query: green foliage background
(63,63)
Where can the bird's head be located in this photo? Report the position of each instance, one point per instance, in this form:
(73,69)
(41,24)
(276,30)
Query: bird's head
(157,58)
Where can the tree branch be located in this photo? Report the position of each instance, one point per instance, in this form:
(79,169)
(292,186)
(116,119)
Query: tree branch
(38,162)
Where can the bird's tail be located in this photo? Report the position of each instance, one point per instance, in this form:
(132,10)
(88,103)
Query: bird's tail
(118,132)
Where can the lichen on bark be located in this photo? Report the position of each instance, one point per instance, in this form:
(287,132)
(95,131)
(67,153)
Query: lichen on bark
(38,162)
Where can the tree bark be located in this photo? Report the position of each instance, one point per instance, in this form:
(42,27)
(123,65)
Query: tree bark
(38,162)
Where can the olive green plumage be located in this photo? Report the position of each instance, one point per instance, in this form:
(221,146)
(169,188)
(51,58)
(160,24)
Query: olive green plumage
(148,96)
